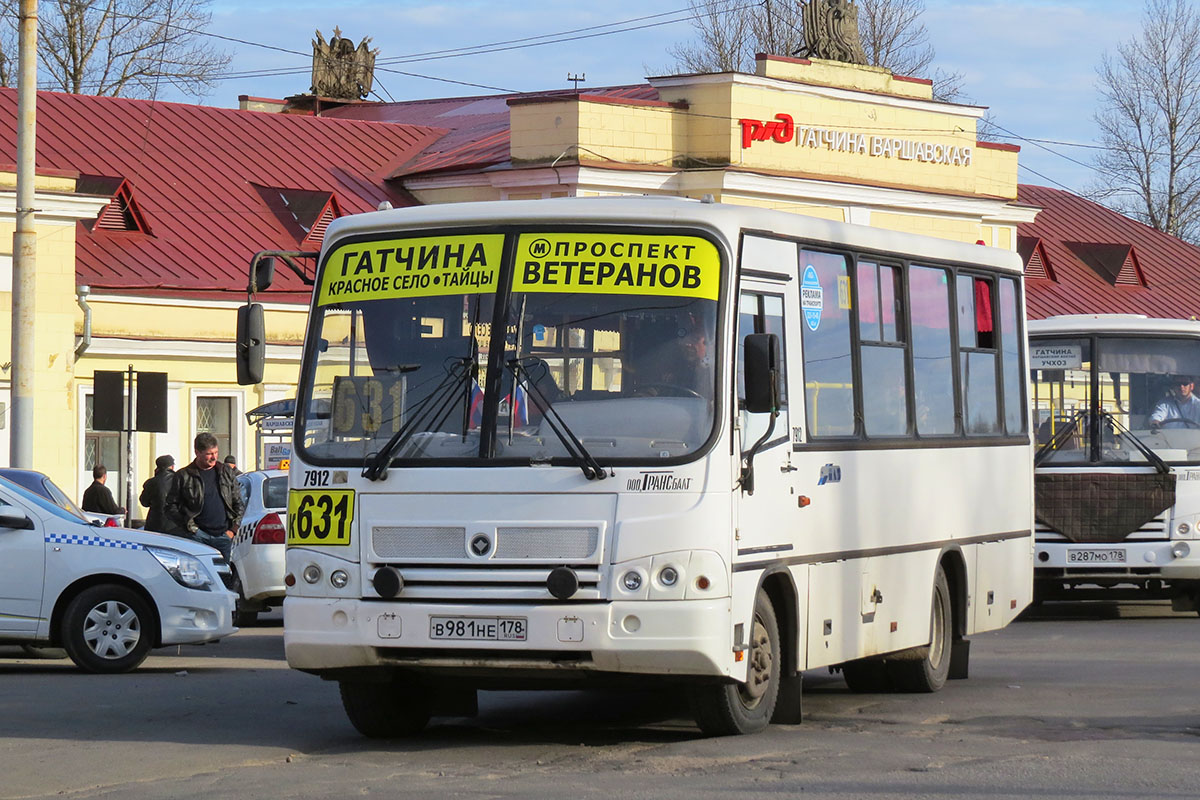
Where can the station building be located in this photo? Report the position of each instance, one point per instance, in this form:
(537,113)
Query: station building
(156,208)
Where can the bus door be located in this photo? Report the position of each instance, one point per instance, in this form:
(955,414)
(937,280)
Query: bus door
(769,515)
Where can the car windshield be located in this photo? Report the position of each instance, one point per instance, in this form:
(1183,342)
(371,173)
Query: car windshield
(43,502)
(627,368)
(1140,389)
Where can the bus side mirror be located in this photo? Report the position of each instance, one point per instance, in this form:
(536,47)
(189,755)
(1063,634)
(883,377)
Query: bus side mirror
(761,354)
(262,274)
(251,344)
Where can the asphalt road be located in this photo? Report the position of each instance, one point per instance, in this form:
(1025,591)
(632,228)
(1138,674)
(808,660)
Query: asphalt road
(1090,701)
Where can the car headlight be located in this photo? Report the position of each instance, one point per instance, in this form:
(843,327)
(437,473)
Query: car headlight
(186,570)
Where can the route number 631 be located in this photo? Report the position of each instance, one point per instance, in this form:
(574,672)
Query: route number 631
(320,518)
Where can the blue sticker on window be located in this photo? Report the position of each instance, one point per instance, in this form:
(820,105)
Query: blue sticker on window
(811,297)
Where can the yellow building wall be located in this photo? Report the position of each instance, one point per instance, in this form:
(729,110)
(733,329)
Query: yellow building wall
(184,322)
(821,72)
(466,194)
(957,229)
(807,209)
(54,303)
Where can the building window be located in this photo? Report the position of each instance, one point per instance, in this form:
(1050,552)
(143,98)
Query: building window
(215,415)
(103,447)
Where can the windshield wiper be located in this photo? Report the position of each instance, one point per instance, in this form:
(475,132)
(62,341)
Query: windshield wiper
(579,454)
(440,401)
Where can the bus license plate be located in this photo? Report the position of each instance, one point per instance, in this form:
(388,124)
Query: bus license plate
(1115,556)
(488,629)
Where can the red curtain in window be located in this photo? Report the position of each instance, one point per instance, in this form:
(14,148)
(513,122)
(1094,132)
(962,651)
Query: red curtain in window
(983,306)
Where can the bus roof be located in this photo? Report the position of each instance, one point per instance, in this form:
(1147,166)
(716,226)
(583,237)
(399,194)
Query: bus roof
(651,211)
(1111,323)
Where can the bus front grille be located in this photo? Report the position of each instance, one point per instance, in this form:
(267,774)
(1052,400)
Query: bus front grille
(1151,531)
(507,543)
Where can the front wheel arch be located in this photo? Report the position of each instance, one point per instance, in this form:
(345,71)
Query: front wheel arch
(88,581)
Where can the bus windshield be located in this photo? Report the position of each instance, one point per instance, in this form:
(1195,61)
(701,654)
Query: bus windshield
(423,374)
(1140,390)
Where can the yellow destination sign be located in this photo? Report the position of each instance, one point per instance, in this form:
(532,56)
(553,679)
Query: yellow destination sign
(617,263)
(320,518)
(412,267)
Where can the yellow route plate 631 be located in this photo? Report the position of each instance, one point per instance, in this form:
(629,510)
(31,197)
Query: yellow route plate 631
(320,518)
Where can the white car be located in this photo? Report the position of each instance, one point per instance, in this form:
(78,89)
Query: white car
(40,483)
(259,547)
(105,595)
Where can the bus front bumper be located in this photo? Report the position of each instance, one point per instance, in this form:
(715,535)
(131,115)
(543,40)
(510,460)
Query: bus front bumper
(672,637)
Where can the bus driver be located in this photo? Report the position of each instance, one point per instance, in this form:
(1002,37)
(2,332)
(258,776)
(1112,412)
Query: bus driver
(1180,405)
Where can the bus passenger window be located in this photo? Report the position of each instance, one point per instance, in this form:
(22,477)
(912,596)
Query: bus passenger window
(882,352)
(828,368)
(977,355)
(1010,346)
(933,378)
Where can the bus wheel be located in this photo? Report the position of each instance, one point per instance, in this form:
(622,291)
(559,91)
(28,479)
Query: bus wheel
(385,710)
(867,676)
(928,672)
(735,708)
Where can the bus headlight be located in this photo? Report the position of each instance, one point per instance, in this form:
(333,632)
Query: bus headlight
(632,581)
(1180,550)
(339,579)
(668,576)
(1183,529)
(312,573)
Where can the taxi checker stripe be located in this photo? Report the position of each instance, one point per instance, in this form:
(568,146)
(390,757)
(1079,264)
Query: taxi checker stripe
(92,541)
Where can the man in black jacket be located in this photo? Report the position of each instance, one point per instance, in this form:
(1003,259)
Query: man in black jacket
(205,502)
(98,498)
(154,493)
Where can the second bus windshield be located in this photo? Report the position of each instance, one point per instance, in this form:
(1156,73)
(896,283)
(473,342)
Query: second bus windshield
(1141,392)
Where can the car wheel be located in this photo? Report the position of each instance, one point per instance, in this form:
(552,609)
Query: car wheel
(243,614)
(106,629)
(385,710)
(736,708)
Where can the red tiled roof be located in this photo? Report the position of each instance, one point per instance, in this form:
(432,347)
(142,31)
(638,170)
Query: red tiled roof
(197,175)
(1097,256)
(476,129)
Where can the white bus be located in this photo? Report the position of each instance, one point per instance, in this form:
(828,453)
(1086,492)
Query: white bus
(1118,462)
(582,441)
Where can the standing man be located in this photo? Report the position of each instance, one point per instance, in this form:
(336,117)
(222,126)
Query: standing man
(98,498)
(205,501)
(231,462)
(154,493)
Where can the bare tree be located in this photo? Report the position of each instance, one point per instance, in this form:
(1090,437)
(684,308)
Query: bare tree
(118,47)
(1149,120)
(731,32)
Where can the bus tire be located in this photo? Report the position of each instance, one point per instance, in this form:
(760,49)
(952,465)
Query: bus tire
(385,710)
(928,673)
(867,676)
(728,709)
(107,629)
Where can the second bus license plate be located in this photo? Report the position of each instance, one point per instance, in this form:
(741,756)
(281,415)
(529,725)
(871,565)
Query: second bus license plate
(488,629)
(1096,556)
